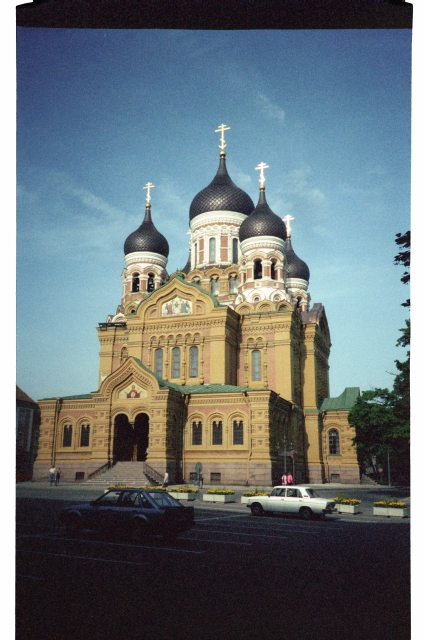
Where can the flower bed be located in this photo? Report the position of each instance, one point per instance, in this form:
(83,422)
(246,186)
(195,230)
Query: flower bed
(219,495)
(183,493)
(391,508)
(251,494)
(345,504)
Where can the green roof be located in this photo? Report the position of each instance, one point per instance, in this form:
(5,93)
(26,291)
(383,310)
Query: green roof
(344,402)
(83,396)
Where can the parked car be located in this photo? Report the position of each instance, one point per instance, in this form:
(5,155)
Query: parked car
(133,512)
(302,501)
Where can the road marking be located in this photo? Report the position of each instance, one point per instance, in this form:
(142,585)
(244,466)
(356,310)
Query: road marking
(65,555)
(238,533)
(220,518)
(119,544)
(244,544)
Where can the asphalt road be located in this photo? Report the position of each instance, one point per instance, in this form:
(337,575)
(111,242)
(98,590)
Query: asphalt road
(232,576)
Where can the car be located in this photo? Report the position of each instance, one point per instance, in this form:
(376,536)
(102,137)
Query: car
(132,512)
(302,501)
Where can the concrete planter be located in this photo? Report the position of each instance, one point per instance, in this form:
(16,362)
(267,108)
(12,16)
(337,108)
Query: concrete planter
(399,513)
(179,495)
(216,497)
(381,511)
(347,508)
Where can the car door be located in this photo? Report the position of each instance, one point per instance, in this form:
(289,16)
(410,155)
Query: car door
(102,512)
(294,500)
(276,500)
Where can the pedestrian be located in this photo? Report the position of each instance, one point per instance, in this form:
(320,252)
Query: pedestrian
(165,480)
(52,475)
(289,479)
(284,479)
(57,476)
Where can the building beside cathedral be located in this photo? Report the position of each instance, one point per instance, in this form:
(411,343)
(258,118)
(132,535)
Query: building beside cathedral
(225,362)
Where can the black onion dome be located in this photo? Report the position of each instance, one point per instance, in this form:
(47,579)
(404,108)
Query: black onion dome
(262,222)
(146,238)
(187,267)
(296,268)
(221,195)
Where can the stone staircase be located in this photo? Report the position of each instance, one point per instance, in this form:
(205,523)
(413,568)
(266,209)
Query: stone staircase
(368,481)
(128,473)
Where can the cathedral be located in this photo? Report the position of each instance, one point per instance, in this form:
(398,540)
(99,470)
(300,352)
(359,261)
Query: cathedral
(224,363)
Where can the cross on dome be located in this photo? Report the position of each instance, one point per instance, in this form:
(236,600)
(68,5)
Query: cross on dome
(222,128)
(261,166)
(148,186)
(287,221)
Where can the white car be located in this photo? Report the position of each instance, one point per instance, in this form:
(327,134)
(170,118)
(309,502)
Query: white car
(302,501)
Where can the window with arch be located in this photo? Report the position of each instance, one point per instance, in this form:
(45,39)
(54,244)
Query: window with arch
(257,270)
(196,433)
(196,280)
(124,354)
(159,362)
(214,286)
(194,362)
(85,435)
(256,364)
(217,432)
(135,282)
(235,251)
(273,270)
(234,284)
(212,249)
(150,282)
(238,432)
(333,442)
(176,362)
(67,435)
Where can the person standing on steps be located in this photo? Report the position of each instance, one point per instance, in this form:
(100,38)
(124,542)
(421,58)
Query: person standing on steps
(52,475)
(165,480)
(57,477)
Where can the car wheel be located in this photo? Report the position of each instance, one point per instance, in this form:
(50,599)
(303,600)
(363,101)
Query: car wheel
(256,509)
(73,525)
(306,513)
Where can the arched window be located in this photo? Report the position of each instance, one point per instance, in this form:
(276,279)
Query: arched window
(238,432)
(194,362)
(216,432)
(212,248)
(273,270)
(150,282)
(159,362)
(257,270)
(235,251)
(135,282)
(196,430)
(333,443)
(176,359)
(85,435)
(124,354)
(67,435)
(233,284)
(214,286)
(256,364)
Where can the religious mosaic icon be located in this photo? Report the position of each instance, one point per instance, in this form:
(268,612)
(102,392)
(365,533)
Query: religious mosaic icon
(133,391)
(177,307)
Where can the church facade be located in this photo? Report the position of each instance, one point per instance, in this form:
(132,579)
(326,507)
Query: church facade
(225,362)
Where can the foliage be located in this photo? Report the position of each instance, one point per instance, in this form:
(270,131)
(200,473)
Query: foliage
(220,492)
(346,500)
(252,494)
(120,485)
(404,257)
(183,490)
(387,503)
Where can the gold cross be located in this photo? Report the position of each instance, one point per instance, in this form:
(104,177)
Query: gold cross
(148,186)
(262,166)
(222,128)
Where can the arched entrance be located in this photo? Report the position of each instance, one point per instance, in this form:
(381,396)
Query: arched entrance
(130,441)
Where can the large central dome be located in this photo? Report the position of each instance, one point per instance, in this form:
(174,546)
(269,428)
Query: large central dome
(221,195)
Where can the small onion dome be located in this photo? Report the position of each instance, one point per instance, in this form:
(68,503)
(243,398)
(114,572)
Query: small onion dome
(221,195)
(187,267)
(296,268)
(262,222)
(147,238)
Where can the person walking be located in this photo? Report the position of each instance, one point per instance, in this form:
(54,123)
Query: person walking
(57,476)
(289,479)
(52,475)
(165,480)
(284,479)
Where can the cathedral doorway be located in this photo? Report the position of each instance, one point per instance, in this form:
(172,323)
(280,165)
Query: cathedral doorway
(130,441)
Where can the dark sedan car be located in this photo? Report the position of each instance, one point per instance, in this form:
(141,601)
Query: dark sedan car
(133,512)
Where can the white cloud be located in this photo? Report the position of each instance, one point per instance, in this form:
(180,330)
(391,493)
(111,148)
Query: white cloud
(270,109)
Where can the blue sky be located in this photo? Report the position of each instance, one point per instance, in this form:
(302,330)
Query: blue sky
(102,112)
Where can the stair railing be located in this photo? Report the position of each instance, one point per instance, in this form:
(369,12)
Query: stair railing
(152,473)
(100,470)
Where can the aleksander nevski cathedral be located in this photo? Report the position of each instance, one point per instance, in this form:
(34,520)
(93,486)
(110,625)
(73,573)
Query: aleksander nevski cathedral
(225,362)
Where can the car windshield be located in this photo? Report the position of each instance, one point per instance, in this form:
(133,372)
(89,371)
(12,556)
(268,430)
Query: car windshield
(109,498)
(163,499)
(312,493)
